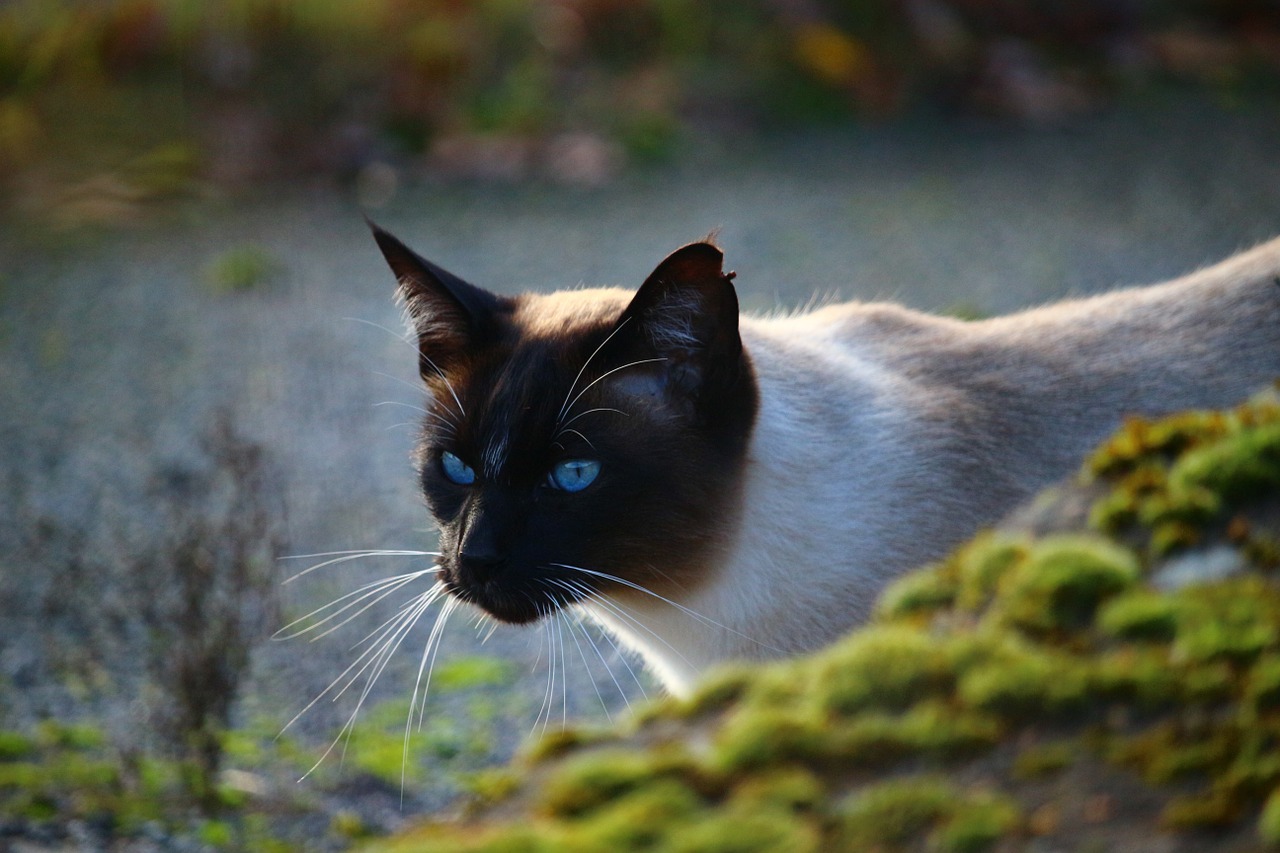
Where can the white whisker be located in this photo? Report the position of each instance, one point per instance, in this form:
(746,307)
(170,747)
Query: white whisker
(593,411)
(545,707)
(578,588)
(385,586)
(607,374)
(427,663)
(415,408)
(687,611)
(405,338)
(587,664)
(566,405)
(462,412)
(578,434)
(347,556)
(627,617)
(373,660)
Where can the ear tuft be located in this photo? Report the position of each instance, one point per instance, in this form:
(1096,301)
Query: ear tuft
(687,302)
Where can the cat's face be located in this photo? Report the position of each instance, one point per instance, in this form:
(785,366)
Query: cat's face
(581,442)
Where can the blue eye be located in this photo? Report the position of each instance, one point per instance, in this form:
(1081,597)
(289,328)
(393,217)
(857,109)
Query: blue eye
(573,475)
(456,470)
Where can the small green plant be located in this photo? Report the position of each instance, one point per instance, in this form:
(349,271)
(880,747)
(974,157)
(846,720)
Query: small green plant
(242,268)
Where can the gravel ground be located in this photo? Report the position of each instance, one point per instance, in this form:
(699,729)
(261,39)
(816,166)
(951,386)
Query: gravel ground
(114,353)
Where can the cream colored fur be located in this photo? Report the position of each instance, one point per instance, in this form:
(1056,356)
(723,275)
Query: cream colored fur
(886,436)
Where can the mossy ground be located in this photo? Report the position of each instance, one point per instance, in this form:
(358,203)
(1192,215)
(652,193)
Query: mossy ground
(1054,686)
(58,774)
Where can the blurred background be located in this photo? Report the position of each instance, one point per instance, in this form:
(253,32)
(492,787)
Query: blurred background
(203,377)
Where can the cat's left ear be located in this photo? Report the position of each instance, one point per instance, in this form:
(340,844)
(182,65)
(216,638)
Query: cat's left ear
(686,314)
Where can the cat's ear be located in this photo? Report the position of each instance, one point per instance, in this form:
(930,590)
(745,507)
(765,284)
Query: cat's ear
(450,316)
(686,316)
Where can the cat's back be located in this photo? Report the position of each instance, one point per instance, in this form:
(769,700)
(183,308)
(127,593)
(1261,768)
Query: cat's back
(861,336)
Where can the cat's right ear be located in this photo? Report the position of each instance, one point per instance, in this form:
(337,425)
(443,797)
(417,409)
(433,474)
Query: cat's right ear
(450,316)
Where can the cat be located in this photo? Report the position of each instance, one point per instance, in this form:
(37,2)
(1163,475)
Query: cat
(713,487)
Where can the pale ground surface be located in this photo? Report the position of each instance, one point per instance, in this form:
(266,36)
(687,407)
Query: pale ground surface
(111,355)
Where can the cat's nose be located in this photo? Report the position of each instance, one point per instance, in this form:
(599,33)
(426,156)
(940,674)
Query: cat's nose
(481,563)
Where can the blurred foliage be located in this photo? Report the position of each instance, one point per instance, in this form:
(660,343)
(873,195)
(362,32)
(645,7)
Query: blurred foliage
(57,775)
(107,105)
(242,268)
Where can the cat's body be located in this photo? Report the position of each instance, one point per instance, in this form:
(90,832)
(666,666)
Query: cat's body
(783,481)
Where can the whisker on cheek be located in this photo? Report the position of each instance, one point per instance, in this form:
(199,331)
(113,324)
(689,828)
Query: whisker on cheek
(693,614)
(364,598)
(370,664)
(347,556)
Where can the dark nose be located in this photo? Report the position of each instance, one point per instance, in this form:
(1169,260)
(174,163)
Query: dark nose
(480,562)
(492,525)
(483,550)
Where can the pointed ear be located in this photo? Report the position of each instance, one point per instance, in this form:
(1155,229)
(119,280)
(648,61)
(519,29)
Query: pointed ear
(449,315)
(686,313)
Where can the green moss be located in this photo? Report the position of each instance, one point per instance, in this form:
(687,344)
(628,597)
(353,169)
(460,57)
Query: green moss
(887,667)
(1062,582)
(1189,508)
(491,785)
(1209,683)
(1139,442)
(932,729)
(917,593)
(721,688)
(1269,820)
(1139,615)
(1263,689)
(738,831)
(1200,811)
(216,833)
(1114,511)
(82,737)
(1141,676)
(1173,536)
(15,745)
(1169,751)
(1045,759)
(787,789)
(983,563)
(467,673)
(1255,766)
(20,774)
(638,819)
(556,742)
(594,778)
(1023,681)
(1226,458)
(763,737)
(983,821)
(1232,620)
(1238,468)
(893,812)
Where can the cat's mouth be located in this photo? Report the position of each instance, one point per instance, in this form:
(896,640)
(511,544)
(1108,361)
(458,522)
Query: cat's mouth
(510,605)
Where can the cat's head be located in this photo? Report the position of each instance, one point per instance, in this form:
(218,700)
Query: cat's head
(581,442)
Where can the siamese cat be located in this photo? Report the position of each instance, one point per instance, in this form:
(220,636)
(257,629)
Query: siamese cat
(713,487)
